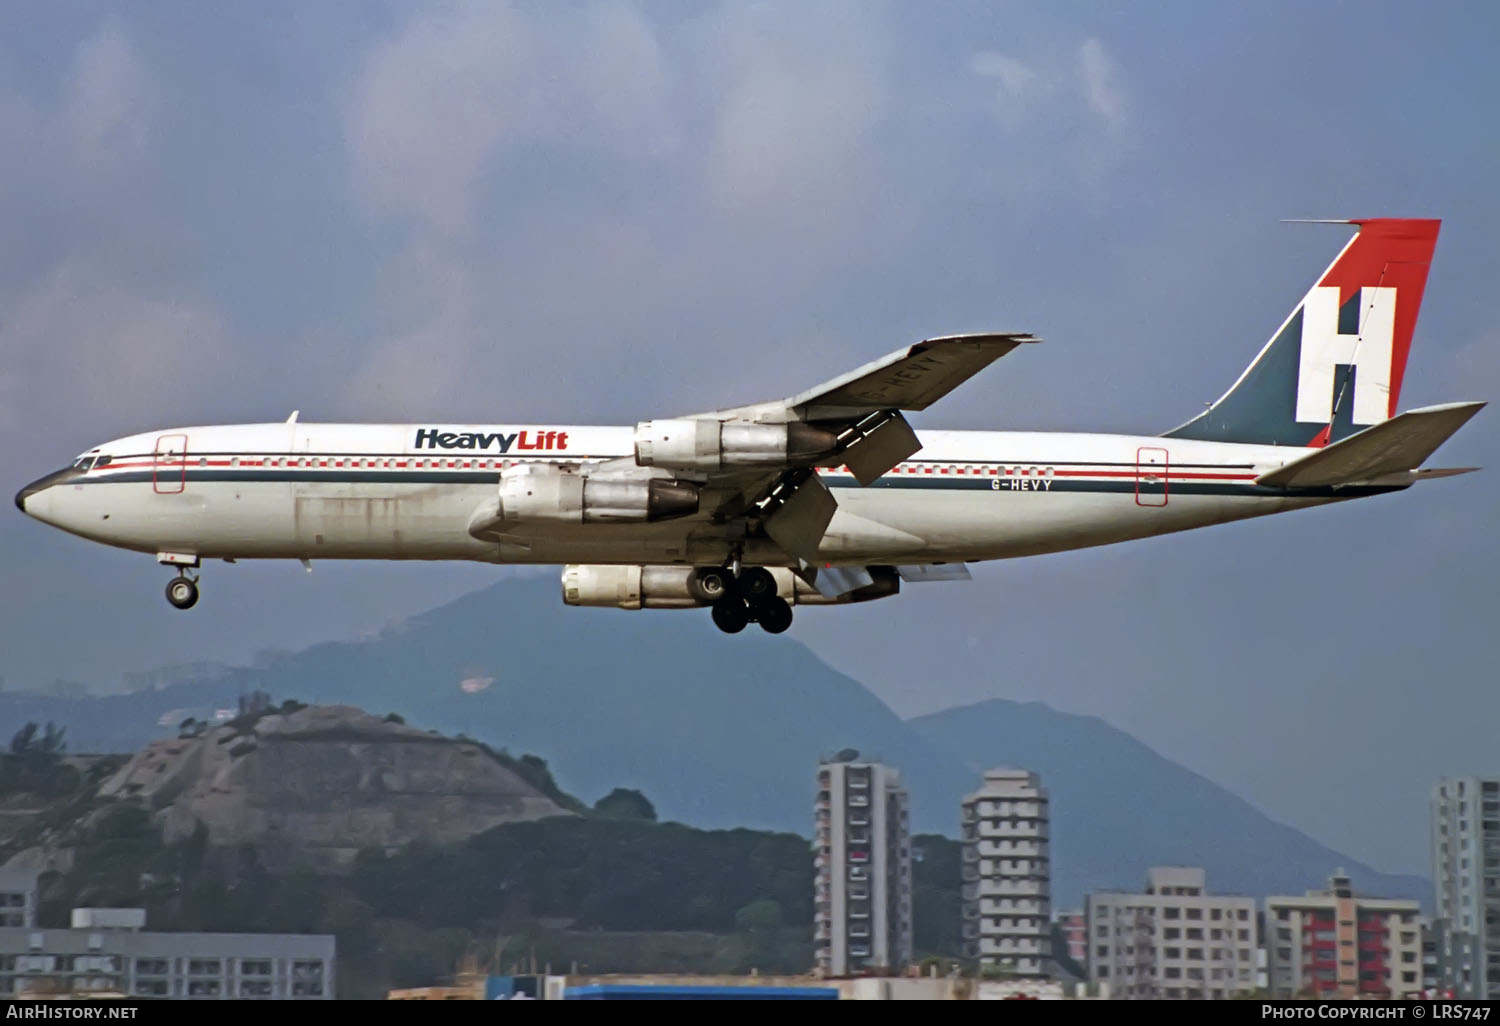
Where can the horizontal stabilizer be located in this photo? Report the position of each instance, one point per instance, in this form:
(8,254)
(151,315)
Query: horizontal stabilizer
(934,572)
(1390,447)
(1423,475)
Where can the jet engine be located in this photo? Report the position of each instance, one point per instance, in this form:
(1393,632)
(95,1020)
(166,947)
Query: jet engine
(573,495)
(667,587)
(706,444)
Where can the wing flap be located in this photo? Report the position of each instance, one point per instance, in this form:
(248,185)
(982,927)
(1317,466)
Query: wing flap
(1391,447)
(891,441)
(800,522)
(837,581)
(934,572)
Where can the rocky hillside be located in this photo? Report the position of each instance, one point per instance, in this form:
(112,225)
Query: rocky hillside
(314,785)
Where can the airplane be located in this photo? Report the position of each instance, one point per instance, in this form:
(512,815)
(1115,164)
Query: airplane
(826,497)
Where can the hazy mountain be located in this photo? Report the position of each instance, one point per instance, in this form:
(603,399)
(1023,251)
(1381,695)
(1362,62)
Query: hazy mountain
(718,731)
(723,731)
(1112,795)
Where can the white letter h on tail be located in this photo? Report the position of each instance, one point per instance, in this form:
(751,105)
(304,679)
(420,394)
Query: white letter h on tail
(1369,352)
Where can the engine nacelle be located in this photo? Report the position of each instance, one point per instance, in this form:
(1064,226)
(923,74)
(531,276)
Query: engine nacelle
(666,587)
(703,443)
(628,587)
(569,494)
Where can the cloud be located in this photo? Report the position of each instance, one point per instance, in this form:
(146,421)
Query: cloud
(431,308)
(797,106)
(78,317)
(1089,76)
(446,118)
(1013,75)
(110,100)
(90,133)
(438,105)
(113,354)
(429,108)
(1099,82)
(663,165)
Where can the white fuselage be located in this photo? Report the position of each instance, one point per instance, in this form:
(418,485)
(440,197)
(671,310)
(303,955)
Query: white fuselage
(361,491)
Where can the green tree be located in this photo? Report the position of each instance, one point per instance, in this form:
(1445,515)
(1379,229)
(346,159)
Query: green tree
(759,916)
(24,741)
(52,740)
(623,803)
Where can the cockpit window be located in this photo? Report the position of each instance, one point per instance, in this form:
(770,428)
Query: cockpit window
(102,461)
(83,462)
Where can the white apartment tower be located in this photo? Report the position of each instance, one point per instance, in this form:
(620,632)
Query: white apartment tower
(1007,879)
(862,901)
(1466,871)
(1173,941)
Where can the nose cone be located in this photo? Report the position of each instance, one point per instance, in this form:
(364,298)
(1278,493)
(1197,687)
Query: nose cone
(27,498)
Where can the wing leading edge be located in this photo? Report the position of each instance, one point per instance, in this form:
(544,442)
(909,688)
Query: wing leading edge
(912,378)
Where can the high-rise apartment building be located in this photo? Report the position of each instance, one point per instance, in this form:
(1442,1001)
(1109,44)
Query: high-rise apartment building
(1007,877)
(1338,944)
(1466,872)
(862,837)
(1174,941)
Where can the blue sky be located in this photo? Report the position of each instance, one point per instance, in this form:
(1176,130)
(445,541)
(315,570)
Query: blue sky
(608,212)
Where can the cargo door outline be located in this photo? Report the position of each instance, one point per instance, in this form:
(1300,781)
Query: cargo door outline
(1152,473)
(169,465)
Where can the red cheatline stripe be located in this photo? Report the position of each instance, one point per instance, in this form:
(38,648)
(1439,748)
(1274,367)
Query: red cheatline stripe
(1179,476)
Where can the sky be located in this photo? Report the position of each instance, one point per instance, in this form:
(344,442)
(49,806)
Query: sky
(608,212)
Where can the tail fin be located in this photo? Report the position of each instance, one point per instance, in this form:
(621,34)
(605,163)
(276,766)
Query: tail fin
(1335,365)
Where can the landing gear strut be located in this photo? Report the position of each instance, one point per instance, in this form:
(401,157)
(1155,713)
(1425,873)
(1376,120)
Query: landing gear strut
(738,600)
(182,591)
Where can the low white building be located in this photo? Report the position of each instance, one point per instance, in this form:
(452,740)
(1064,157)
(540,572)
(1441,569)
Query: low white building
(107,952)
(1173,941)
(18,889)
(1335,943)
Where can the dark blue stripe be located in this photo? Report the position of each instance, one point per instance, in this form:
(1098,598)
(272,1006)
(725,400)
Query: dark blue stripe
(1129,487)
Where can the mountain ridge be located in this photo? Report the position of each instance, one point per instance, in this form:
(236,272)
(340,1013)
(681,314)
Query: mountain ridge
(722,732)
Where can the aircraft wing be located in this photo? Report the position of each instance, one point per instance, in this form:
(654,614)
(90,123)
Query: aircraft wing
(909,379)
(863,409)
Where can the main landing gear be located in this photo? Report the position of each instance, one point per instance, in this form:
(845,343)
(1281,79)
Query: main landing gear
(182,590)
(738,600)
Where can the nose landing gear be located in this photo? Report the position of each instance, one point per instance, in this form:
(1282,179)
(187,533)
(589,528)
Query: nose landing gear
(182,591)
(739,600)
